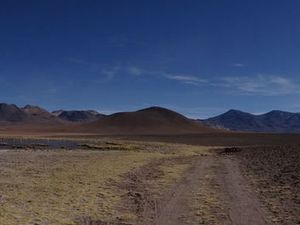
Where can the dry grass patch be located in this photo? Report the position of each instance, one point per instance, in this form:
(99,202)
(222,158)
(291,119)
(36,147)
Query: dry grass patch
(62,187)
(57,187)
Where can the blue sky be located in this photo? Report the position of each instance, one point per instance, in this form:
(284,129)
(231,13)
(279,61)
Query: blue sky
(198,57)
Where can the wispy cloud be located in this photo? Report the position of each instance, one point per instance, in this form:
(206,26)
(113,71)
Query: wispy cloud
(240,65)
(261,84)
(187,79)
(269,85)
(182,78)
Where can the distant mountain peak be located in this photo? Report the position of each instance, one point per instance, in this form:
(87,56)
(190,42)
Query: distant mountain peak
(11,113)
(235,111)
(273,121)
(34,109)
(278,112)
(151,120)
(30,106)
(153,108)
(156,109)
(78,115)
(3,105)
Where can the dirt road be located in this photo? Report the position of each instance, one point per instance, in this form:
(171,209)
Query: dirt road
(244,207)
(211,191)
(174,206)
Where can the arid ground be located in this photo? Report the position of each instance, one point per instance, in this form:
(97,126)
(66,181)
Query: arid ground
(188,179)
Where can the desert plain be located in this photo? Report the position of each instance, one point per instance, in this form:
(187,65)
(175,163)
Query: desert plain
(149,179)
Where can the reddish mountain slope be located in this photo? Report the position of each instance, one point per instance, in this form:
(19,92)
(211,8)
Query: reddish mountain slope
(154,120)
(11,113)
(37,114)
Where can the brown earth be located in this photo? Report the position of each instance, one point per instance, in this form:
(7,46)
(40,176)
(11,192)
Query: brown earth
(235,201)
(173,184)
(274,171)
(220,139)
(252,185)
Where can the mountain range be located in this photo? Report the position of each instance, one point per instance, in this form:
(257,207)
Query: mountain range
(274,121)
(153,120)
(35,114)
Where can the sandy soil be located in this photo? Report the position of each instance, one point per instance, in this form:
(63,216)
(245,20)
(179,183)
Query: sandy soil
(240,204)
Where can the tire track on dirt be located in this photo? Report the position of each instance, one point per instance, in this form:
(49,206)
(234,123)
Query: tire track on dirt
(244,207)
(241,203)
(174,206)
(236,202)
